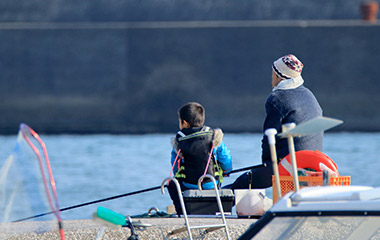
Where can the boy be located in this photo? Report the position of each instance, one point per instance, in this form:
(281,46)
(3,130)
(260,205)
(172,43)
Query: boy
(191,155)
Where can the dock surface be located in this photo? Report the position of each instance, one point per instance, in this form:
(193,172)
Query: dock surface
(159,228)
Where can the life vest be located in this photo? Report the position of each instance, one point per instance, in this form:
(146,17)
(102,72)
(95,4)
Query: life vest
(195,147)
(307,159)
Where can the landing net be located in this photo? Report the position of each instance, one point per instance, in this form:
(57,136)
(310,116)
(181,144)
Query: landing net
(27,186)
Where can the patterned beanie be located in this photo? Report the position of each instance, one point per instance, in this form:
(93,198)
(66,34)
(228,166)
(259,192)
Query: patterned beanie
(287,67)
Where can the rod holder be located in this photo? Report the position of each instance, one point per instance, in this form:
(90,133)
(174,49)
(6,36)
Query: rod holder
(286,127)
(270,133)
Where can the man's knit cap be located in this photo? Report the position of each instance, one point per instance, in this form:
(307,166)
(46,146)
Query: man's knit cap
(288,67)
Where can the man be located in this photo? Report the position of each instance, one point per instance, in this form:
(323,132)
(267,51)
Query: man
(289,102)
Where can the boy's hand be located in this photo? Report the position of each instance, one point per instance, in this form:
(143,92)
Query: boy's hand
(226,174)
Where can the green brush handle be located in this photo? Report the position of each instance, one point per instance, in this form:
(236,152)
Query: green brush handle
(111,216)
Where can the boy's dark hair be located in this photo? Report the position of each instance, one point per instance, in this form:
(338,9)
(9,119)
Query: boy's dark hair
(193,113)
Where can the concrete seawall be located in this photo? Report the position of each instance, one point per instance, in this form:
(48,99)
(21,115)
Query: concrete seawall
(131,77)
(175,10)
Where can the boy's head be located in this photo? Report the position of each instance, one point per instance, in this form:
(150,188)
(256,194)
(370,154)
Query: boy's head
(191,114)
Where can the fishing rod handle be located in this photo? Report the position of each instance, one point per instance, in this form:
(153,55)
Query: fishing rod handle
(270,133)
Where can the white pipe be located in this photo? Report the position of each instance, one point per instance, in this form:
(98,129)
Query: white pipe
(285,128)
(270,133)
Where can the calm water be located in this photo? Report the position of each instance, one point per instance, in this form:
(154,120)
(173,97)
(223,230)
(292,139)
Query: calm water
(92,167)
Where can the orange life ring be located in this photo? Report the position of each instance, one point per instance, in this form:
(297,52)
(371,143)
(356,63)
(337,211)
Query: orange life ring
(315,160)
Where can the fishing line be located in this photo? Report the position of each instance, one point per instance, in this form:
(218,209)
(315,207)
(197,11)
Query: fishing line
(125,195)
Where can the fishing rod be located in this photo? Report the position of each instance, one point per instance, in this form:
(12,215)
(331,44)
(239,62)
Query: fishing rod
(125,195)
(93,202)
(248,168)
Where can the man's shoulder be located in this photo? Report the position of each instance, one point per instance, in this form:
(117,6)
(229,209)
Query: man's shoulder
(274,97)
(280,94)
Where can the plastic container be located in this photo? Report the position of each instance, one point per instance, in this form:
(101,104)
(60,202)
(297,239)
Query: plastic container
(252,202)
(203,202)
(287,183)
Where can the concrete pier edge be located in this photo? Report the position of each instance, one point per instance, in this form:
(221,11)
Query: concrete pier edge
(159,229)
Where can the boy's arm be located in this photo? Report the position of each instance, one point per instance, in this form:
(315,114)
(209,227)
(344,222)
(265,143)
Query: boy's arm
(223,156)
